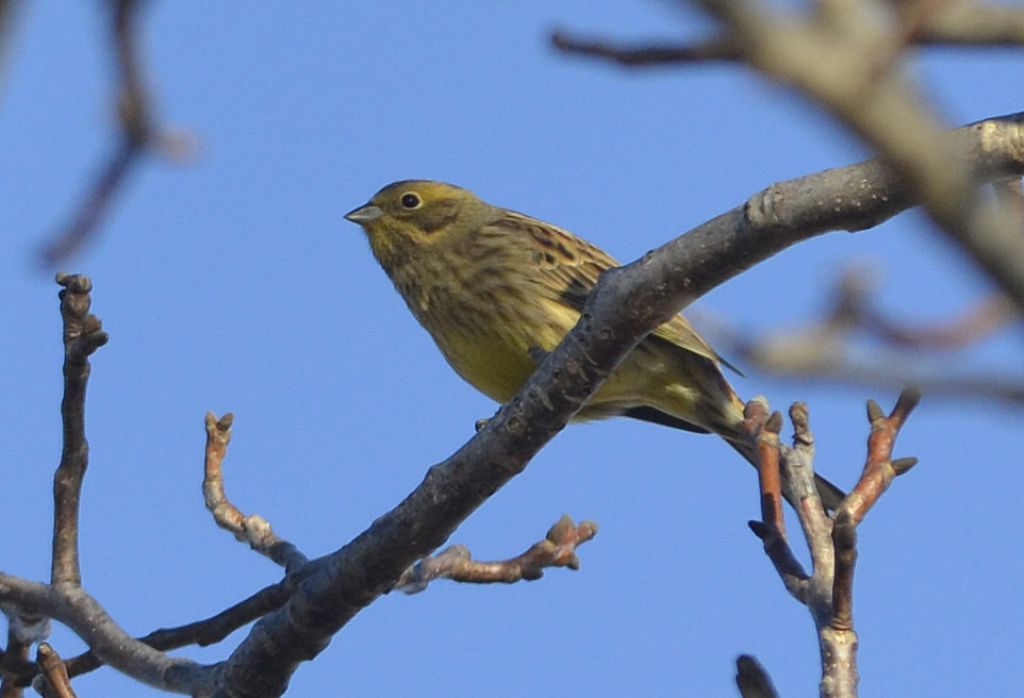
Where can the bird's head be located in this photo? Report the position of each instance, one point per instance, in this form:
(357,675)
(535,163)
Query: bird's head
(411,215)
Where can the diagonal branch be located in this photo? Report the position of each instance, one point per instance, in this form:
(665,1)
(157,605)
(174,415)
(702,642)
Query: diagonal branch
(655,288)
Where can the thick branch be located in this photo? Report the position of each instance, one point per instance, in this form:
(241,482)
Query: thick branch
(655,287)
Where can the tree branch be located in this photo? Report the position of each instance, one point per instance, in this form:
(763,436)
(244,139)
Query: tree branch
(841,60)
(828,592)
(826,349)
(833,59)
(717,48)
(558,549)
(57,683)
(202,632)
(655,287)
(83,335)
(252,529)
(955,23)
(752,679)
(137,135)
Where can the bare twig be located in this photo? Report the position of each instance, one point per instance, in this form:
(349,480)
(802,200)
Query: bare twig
(973,325)
(879,470)
(752,679)
(828,592)
(955,23)
(968,24)
(828,348)
(771,528)
(83,334)
(558,549)
(719,48)
(252,529)
(58,685)
(769,474)
(136,135)
(72,606)
(13,661)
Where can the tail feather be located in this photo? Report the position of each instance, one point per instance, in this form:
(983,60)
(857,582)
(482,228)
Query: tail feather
(831,496)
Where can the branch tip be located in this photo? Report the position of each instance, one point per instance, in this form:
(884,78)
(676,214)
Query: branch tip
(908,400)
(56,675)
(875,411)
(761,530)
(759,403)
(752,679)
(76,283)
(902,465)
(800,416)
(557,549)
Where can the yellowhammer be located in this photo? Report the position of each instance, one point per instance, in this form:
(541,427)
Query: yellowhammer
(494,288)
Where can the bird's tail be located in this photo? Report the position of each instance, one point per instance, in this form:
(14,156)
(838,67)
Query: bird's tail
(831,496)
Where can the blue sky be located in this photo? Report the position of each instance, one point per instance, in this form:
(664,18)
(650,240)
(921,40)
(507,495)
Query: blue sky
(232,283)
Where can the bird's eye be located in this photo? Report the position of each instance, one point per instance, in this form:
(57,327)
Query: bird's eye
(410,201)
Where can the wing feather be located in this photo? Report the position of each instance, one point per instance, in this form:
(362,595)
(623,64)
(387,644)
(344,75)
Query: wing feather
(574,265)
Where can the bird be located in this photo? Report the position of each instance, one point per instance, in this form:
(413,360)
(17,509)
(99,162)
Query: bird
(497,289)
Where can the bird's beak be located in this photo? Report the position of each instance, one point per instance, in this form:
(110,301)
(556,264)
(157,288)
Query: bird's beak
(364,214)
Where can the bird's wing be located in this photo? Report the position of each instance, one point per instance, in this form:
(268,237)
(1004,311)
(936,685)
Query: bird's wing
(574,265)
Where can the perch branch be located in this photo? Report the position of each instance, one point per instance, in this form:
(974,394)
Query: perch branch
(655,287)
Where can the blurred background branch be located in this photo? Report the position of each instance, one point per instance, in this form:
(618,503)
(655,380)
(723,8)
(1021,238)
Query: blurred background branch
(856,343)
